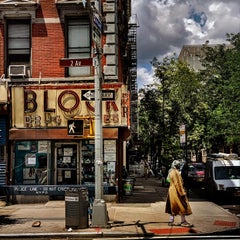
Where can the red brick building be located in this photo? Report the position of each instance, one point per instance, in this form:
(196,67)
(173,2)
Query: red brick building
(48,50)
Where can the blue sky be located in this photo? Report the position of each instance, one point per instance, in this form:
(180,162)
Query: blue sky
(166,25)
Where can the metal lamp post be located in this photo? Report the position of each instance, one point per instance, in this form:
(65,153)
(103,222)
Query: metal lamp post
(99,214)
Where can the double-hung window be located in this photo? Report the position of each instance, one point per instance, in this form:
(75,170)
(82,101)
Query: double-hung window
(18,42)
(78,44)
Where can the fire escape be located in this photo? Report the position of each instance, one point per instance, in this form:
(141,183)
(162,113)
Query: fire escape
(132,46)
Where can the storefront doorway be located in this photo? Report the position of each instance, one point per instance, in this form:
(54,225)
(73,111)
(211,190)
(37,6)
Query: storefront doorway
(67,163)
(75,163)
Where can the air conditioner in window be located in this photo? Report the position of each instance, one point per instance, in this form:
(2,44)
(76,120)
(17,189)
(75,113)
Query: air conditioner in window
(17,71)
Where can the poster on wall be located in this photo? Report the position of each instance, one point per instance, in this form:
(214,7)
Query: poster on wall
(109,150)
(24,146)
(30,159)
(67,174)
(66,159)
(111,167)
(67,151)
(42,146)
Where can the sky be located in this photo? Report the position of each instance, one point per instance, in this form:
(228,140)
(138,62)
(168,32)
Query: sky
(164,26)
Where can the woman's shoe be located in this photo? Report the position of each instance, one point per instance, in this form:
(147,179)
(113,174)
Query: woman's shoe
(186,224)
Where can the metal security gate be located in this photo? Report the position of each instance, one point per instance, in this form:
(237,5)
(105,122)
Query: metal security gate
(2,174)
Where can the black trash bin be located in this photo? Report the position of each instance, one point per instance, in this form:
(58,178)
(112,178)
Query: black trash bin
(76,208)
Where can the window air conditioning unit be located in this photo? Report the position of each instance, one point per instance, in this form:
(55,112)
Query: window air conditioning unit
(17,70)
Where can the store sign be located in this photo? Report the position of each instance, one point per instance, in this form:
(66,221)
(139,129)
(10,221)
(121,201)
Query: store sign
(3,93)
(37,108)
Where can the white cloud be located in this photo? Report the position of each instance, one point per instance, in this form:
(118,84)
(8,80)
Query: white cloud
(194,28)
(145,76)
(166,25)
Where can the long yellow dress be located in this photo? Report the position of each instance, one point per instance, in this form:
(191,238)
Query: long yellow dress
(177,202)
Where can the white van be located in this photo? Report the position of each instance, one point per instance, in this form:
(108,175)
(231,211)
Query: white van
(222,175)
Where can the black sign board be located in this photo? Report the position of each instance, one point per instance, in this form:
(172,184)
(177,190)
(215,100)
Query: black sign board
(89,95)
(75,127)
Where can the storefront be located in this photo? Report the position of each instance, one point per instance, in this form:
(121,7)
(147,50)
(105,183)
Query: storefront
(52,136)
(73,162)
(4,113)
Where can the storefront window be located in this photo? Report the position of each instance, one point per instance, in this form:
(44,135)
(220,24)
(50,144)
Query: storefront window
(88,168)
(31,163)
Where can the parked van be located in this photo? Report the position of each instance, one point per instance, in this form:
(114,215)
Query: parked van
(222,175)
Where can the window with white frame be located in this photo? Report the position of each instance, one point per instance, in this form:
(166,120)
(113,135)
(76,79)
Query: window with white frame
(78,44)
(18,42)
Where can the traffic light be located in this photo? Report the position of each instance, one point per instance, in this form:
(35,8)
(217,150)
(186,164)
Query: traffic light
(75,127)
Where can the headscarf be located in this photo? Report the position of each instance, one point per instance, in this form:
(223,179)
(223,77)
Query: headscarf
(176,164)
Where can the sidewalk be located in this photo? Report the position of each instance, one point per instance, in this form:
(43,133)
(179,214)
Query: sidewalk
(125,219)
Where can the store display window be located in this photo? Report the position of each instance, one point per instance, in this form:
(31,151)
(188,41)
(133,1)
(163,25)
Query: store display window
(31,163)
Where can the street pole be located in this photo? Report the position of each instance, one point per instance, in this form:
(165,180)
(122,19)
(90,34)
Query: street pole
(98,131)
(99,214)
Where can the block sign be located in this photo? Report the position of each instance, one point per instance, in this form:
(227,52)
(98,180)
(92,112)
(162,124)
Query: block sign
(66,62)
(75,127)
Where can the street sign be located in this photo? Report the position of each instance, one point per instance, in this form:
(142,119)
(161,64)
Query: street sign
(75,127)
(66,62)
(182,131)
(97,22)
(89,95)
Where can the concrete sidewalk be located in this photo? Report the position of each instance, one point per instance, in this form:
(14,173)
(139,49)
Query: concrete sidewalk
(125,219)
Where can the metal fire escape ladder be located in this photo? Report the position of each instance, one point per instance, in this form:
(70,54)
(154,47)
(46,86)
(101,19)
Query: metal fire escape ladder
(132,44)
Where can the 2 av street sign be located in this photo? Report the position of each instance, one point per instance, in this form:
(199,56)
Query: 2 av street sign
(89,95)
(66,62)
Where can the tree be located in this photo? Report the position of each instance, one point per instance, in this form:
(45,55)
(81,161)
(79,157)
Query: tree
(179,101)
(221,76)
(206,101)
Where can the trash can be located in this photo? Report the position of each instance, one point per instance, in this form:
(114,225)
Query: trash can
(76,208)
(128,186)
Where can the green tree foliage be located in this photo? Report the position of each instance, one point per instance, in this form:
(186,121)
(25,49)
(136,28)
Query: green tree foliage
(176,101)
(221,77)
(206,101)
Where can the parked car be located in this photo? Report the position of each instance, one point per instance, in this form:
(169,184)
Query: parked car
(196,173)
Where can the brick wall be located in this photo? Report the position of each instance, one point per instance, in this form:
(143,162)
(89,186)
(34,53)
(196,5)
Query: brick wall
(47,49)
(47,42)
